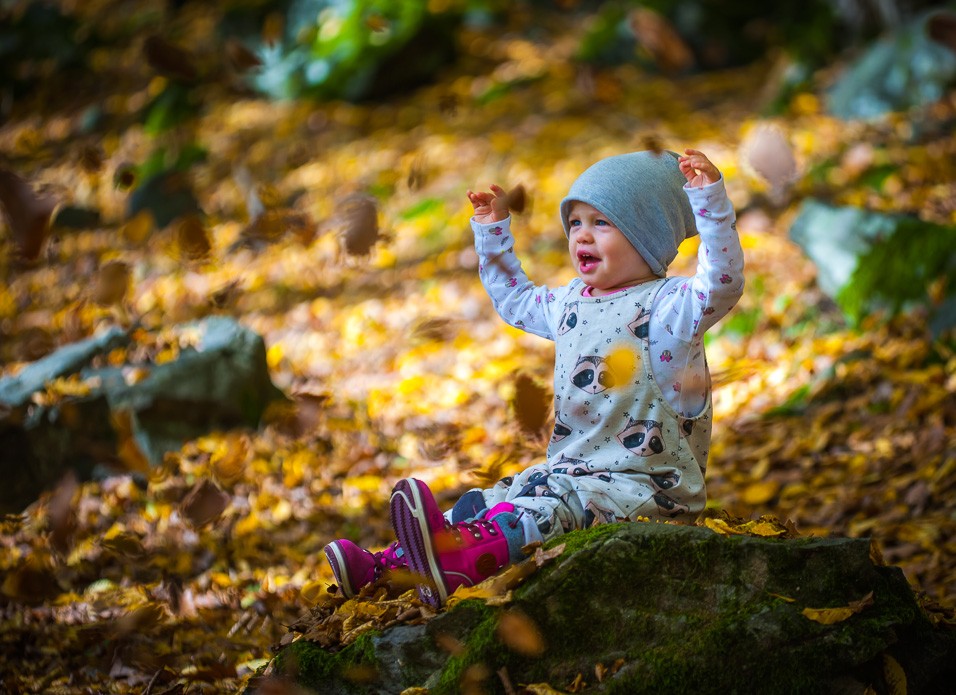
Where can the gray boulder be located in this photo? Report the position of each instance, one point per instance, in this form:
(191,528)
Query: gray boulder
(870,262)
(663,608)
(910,67)
(219,381)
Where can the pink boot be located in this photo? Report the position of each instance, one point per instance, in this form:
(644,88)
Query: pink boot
(354,567)
(451,555)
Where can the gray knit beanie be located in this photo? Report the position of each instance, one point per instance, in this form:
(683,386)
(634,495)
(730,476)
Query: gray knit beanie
(642,194)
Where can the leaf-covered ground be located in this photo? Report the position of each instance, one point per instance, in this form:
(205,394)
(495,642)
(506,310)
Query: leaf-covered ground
(396,360)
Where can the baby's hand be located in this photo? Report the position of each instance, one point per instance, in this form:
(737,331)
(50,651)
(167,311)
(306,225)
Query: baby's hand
(489,207)
(697,169)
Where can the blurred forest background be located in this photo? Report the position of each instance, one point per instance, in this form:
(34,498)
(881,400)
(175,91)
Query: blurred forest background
(301,166)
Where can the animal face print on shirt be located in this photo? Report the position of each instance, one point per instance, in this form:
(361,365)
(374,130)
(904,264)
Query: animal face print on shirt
(560,430)
(686,426)
(642,437)
(592,375)
(641,326)
(569,319)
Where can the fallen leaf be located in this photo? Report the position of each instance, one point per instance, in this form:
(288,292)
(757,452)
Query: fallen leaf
(830,616)
(204,503)
(894,675)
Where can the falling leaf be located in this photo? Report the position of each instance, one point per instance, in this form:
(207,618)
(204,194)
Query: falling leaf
(111,283)
(760,493)
(241,58)
(127,448)
(140,619)
(139,227)
(660,40)
(829,616)
(230,458)
(359,215)
(27,214)
(767,151)
(622,362)
(520,633)
(126,545)
(204,503)
(191,237)
(517,199)
(531,403)
(377,23)
(62,512)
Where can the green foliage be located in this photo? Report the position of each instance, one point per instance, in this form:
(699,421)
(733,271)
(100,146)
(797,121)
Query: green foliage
(356,50)
(897,273)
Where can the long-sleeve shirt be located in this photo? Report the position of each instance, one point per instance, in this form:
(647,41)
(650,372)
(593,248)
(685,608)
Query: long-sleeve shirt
(632,390)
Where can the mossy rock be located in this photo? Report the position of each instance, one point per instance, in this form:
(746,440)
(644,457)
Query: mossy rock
(666,608)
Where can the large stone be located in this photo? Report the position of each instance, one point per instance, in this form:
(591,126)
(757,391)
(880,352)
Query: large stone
(911,66)
(870,262)
(666,608)
(220,380)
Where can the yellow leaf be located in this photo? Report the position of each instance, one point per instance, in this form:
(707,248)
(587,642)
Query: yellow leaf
(765,529)
(542,689)
(719,526)
(784,598)
(894,675)
(622,362)
(761,492)
(520,633)
(829,616)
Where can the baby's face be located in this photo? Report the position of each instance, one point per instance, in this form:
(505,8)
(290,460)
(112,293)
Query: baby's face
(601,254)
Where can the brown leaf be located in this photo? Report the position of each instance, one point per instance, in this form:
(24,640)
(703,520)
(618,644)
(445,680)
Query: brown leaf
(127,449)
(168,59)
(661,41)
(111,283)
(140,619)
(520,633)
(191,237)
(517,199)
(124,544)
(240,57)
(27,214)
(204,503)
(359,215)
(531,403)
(61,510)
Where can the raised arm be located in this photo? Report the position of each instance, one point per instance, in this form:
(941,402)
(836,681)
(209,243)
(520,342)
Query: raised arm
(696,304)
(517,300)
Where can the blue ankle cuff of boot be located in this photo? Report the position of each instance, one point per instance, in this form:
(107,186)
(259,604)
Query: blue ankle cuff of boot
(513,532)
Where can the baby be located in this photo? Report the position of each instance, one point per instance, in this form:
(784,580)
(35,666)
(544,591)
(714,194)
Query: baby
(631,385)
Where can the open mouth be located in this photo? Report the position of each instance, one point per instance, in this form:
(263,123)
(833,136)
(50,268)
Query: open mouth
(587,262)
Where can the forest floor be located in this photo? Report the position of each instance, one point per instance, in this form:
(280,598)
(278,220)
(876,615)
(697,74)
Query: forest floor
(396,360)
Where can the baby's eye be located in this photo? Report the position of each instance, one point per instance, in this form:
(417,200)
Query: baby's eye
(574,223)
(601,223)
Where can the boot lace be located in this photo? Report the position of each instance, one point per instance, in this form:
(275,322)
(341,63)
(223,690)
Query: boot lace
(385,560)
